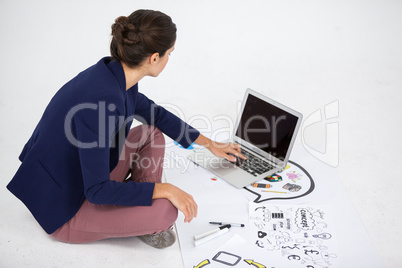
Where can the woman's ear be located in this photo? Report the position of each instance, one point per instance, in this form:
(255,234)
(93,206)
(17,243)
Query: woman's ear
(154,58)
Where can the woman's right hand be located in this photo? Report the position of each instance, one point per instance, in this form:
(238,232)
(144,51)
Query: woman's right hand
(179,198)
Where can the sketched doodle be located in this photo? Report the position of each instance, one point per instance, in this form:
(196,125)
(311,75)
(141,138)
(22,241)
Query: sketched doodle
(255,264)
(202,264)
(311,252)
(259,243)
(293,176)
(260,225)
(294,246)
(259,208)
(324,236)
(261,234)
(294,257)
(312,186)
(326,255)
(292,187)
(324,224)
(225,257)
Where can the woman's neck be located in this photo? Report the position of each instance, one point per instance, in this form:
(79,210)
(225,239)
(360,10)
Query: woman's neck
(133,75)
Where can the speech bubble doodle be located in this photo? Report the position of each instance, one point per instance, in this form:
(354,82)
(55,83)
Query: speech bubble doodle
(304,219)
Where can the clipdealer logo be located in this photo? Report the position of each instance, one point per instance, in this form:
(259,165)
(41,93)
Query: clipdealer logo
(325,118)
(328,118)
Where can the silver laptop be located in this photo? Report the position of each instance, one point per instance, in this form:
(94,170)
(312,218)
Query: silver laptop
(266,131)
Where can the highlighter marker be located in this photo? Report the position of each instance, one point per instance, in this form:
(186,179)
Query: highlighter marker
(196,237)
(212,236)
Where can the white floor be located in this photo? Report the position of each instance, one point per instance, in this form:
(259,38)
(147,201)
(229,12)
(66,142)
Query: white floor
(306,54)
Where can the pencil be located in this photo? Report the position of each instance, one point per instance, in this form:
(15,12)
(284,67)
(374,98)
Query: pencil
(274,192)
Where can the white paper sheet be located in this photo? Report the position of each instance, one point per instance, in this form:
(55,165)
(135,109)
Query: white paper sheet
(226,203)
(304,236)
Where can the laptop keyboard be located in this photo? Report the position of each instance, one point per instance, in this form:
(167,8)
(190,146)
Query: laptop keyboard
(253,164)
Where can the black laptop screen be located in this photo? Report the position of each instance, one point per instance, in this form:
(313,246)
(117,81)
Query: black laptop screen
(266,126)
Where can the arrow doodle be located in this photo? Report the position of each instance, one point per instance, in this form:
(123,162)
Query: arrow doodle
(256,264)
(202,264)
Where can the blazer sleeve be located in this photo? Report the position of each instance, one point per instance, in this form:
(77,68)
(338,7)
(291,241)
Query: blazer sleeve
(146,111)
(93,150)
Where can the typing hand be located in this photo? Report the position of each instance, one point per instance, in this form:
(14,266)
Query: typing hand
(229,151)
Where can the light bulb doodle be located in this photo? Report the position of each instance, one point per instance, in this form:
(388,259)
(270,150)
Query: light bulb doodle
(326,255)
(322,247)
(324,236)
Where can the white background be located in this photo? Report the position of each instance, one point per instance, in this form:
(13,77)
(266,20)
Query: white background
(305,54)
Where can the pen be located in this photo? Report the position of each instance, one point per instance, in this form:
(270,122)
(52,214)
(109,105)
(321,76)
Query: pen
(212,236)
(195,163)
(196,237)
(232,224)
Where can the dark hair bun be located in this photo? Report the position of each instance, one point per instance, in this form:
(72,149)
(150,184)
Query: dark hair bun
(141,34)
(124,32)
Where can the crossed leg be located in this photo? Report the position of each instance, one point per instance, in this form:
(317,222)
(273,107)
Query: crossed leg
(142,157)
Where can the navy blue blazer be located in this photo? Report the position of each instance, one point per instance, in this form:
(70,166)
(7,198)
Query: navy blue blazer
(77,143)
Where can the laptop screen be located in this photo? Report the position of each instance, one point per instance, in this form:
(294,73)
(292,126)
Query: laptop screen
(266,126)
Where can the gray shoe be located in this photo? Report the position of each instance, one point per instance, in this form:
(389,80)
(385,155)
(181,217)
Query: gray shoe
(159,240)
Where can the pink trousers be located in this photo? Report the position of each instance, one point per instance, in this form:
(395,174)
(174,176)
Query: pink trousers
(95,222)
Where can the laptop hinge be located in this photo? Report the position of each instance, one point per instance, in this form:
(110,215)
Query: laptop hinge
(254,152)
